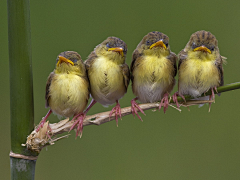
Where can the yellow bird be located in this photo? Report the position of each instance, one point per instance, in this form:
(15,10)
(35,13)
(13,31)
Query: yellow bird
(153,70)
(108,74)
(200,66)
(67,89)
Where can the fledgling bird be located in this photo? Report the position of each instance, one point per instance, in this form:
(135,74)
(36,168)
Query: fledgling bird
(67,89)
(153,69)
(200,66)
(108,74)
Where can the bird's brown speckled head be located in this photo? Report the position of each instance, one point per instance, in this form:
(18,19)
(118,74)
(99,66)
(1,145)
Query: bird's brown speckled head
(112,44)
(154,39)
(70,57)
(202,41)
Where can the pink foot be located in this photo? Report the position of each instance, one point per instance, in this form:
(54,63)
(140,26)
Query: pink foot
(135,107)
(80,117)
(79,123)
(175,95)
(50,130)
(43,121)
(164,102)
(212,96)
(117,111)
(216,89)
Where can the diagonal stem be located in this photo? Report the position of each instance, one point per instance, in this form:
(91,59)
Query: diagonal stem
(101,118)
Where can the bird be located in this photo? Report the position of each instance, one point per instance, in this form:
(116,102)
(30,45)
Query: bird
(200,67)
(108,74)
(67,89)
(153,70)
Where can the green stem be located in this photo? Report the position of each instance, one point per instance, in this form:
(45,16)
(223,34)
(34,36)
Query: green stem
(22,169)
(21,86)
(228,87)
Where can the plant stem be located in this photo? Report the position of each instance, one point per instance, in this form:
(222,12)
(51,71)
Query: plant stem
(228,87)
(38,140)
(22,168)
(21,86)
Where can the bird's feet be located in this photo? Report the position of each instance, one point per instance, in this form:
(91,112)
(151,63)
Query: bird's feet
(117,111)
(80,117)
(43,121)
(79,123)
(175,95)
(135,107)
(41,124)
(164,102)
(212,96)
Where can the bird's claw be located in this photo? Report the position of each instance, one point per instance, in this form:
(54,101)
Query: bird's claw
(164,102)
(40,126)
(43,121)
(134,107)
(175,95)
(79,123)
(117,111)
(212,96)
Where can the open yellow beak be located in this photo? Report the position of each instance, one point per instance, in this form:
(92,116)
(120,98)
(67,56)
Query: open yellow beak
(63,59)
(203,48)
(118,49)
(159,43)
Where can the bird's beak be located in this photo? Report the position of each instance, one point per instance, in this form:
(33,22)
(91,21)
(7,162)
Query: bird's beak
(203,48)
(118,49)
(159,43)
(63,59)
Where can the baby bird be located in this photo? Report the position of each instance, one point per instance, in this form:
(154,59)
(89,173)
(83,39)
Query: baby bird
(108,74)
(67,89)
(153,69)
(200,66)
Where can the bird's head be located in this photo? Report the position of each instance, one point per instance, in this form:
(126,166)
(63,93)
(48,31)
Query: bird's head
(68,61)
(113,47)
(68,57)
(202,43)
(155,43)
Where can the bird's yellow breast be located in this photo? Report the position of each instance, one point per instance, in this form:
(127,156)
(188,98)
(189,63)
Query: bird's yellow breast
(68,94)
(106,81)
(198,71)
(153,77)
(159,68)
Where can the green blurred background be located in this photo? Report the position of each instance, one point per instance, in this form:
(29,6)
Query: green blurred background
(192,144)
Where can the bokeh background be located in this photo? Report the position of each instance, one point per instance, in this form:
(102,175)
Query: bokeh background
(192,144)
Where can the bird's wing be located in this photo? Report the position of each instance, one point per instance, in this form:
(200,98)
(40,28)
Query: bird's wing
(47,94)
(136,60)
(182,57)
(84,76)
(126,74)
(90,60)
(173,58)
(220,69)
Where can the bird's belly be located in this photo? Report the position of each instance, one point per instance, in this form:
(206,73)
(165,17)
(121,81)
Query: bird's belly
(197,77)
(149,93)
(68,95)
(153,79)
(107,85)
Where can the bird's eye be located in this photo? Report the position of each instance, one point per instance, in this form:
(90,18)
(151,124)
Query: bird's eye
(211,48)
(108,45)
(166,44)
(194,45)
(74,60)
(148,42)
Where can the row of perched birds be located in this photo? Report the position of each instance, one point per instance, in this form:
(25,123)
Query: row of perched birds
(106,76)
